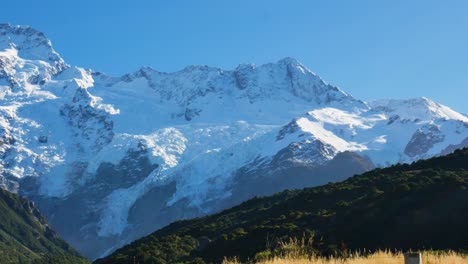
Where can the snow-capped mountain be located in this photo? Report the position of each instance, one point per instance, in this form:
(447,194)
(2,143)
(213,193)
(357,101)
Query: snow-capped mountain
(109,159)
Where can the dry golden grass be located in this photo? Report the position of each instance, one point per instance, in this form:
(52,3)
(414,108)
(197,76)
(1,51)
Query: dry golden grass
(380,257)
(300,251)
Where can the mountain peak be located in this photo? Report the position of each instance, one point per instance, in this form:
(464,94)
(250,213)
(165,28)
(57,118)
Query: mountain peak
(185,142)
(420,108)
(30,43)
(289,61)
(294,63)
(18,29)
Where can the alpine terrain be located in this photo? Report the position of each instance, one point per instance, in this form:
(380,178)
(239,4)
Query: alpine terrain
(110,159)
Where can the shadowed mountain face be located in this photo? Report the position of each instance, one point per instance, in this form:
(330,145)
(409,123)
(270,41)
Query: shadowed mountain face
(117,157)
(26,237)
(392,208)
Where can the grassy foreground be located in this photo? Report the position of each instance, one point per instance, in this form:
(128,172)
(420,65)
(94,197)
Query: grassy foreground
(300,251)
(380,257)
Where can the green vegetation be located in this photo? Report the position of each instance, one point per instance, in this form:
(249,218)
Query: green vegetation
(25,236)
(423,205)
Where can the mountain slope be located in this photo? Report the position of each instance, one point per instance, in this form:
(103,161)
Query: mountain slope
(420,206)
(109,159)
(25,236)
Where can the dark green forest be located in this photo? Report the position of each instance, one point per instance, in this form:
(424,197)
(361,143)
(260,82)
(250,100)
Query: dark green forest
(416,206)
(25,236)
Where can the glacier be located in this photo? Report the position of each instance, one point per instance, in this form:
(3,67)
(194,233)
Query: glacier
(109,159)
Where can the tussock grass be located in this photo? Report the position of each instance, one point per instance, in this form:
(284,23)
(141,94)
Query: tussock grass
(380,257)
(300,251)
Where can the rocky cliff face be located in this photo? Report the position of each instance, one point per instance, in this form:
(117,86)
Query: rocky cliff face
(109,159)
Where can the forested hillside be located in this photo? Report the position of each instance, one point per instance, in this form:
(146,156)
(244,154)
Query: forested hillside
(423,205)
(25,236)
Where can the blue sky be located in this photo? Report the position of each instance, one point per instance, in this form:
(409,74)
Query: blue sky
(371,49)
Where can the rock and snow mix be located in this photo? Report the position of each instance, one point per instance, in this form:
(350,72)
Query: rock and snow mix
(60,124)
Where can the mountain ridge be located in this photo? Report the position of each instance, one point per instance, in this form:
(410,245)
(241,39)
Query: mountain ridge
(76,139)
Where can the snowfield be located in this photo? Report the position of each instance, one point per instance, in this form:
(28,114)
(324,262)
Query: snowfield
(62,127)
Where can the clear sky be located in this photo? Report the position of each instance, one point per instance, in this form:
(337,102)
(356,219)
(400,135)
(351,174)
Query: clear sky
(371,49)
